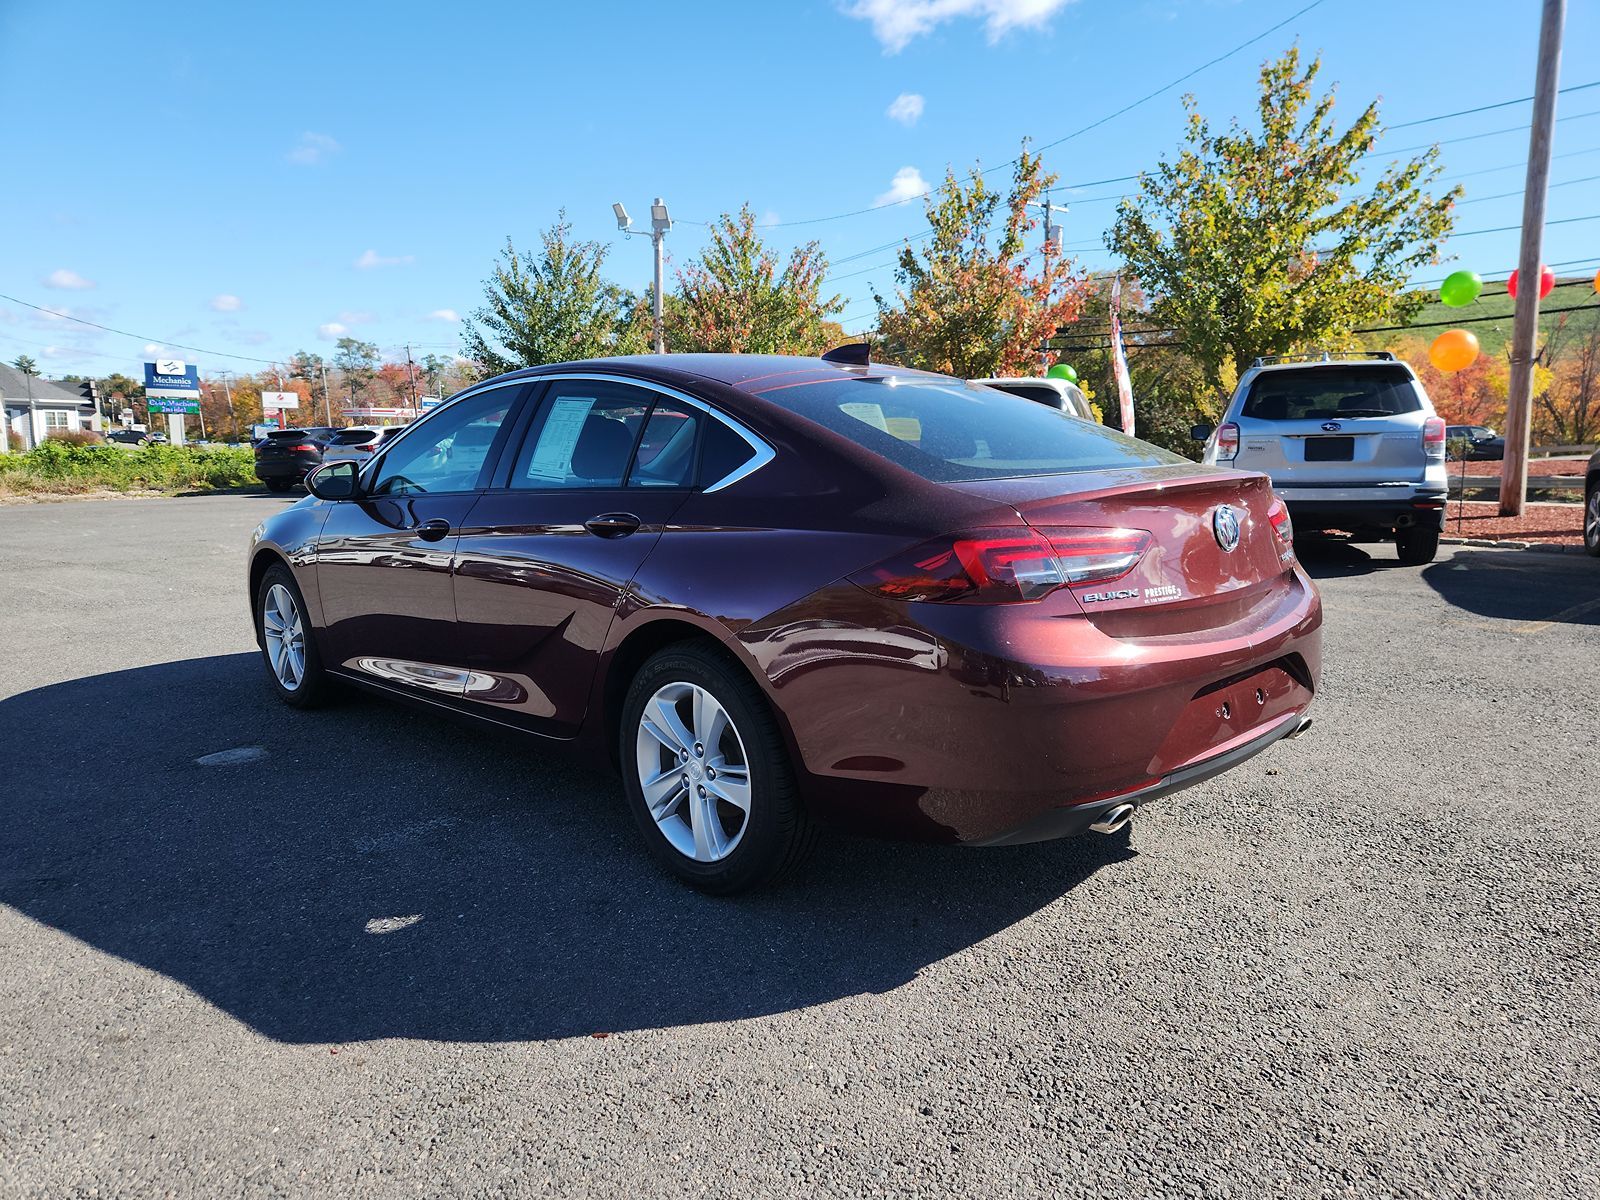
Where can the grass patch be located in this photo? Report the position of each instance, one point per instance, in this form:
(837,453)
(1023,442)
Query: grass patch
(62,469)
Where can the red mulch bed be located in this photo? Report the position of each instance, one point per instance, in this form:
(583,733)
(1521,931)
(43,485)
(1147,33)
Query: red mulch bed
(1536,466)
(1543,524)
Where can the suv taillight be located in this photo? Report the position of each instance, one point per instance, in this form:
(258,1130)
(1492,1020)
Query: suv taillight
(1227,440)
(1433,437)
(1005,566)
(302,446)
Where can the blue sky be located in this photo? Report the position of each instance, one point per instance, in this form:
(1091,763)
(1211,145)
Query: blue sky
(252,179)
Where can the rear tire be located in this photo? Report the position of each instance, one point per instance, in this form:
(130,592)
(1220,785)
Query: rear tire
(288,643)
(723,812)
(278,485)
(1418,547)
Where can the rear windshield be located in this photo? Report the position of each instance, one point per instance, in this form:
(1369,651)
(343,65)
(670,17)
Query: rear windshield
(1318,393)
(949,431)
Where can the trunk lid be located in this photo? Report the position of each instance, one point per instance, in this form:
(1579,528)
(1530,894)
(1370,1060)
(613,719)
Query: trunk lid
(1185,568)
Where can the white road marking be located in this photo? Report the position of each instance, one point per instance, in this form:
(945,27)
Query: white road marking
(391,924)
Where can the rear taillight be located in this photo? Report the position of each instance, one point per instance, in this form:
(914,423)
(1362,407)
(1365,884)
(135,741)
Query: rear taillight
(1227,440)
(1433,437)
(1005,566)
(1278,514)
(302,446)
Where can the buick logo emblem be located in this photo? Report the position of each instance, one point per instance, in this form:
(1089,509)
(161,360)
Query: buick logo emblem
(1332,426)
(1225,524)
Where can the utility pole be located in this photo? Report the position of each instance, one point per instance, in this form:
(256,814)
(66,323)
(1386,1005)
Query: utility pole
(327,405)
(1525,333)
(233,417)
(411,374)
(1054,241)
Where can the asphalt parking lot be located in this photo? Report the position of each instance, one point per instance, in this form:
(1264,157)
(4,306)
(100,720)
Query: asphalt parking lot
(387,956)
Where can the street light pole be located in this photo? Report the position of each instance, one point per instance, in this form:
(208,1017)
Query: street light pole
(1054,239)
(660,223)
(1525,332)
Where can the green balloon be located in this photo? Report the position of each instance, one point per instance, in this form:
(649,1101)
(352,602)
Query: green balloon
(1062,371)
(1460,289)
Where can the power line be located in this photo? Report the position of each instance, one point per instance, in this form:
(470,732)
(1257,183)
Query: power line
(61,316)
(1519,191)
(1473,137)
(1577,87)
(1511,228)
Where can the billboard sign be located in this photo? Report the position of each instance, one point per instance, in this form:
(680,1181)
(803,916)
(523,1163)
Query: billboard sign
(172,405)
(424,403)
(280,400)
(172,378)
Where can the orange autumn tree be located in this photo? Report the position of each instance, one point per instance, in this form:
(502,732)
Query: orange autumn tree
(1475,395)
(973,301)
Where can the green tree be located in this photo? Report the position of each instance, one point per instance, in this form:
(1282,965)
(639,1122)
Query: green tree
(549,307)
(1256,244)
(357,362)
(970,302)
(26,365)
(734,299)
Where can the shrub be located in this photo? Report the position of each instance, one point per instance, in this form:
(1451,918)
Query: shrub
(76,437)
(63,466)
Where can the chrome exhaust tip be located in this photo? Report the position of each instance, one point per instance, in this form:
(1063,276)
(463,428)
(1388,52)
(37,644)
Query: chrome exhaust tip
(1305,724)
(1114,819)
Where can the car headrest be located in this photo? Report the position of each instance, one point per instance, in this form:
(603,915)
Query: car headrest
(602,449)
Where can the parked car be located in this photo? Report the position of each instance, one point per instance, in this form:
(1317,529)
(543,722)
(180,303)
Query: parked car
(127,437)
(357,442)
(286,456)
(1351,442)
(1056,393)
(1483,444)
(1591,506)
(780,590)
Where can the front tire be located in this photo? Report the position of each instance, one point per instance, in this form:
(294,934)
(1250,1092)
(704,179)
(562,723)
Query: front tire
(1418,547)
(1591,519)
(288,648)
(708,774)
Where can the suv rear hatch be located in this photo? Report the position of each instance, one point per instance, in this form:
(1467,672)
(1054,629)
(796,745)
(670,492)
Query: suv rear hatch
(1351,425)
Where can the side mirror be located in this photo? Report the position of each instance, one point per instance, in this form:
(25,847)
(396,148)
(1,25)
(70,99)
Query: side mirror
(1202,433)
(335,481)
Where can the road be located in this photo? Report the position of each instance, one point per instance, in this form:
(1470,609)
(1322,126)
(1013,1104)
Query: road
(382,955)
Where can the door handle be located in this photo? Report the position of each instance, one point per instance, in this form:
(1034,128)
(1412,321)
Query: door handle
(612,525)
(434,530)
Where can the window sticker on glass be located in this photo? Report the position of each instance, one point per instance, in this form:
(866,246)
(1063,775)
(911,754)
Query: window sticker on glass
(867,414)
(907,429)
(552,457)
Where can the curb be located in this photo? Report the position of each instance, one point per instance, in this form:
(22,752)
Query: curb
(1489,543)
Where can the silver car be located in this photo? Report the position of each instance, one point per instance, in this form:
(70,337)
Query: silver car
(1053,393)
(1350,442)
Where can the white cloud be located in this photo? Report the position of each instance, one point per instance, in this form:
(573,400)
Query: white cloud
(907,108)
(52,313)
(896,22)
(769,218)
(355,318)
(68,280)
(372,259)
(226,303)
(444,314)
(151,349)
(312,149)
(256,337)
(907,184)
(331,330)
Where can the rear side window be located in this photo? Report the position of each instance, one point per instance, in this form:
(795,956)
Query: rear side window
(1321,393)
(949,431)
(666,451)
(584,437)
(724,453)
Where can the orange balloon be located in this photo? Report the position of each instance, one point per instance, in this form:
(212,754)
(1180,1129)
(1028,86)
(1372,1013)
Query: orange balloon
(1597,281)
(1453,349)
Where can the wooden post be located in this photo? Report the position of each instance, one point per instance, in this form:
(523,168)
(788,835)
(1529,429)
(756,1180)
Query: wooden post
(1525,333)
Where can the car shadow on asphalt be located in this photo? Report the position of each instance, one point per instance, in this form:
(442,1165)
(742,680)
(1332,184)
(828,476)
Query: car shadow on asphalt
(1340,558)
(383,872)
(1536,589)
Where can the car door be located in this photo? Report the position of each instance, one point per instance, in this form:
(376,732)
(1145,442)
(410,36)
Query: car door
(384,562)
(547,553)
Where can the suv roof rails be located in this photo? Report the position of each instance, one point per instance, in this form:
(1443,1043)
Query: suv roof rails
(1267,360)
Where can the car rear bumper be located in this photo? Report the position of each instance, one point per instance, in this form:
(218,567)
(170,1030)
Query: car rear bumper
(1072,820)
(284,468)
(979,721)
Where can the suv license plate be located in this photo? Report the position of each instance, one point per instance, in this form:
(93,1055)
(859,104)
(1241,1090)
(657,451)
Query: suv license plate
(1330,449)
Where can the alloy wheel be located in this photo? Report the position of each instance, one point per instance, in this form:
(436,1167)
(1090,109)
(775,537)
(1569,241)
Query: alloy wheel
(1591,520)
(693,771)
(284,633)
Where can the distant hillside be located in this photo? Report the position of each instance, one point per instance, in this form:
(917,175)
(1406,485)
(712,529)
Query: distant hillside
(1495,335)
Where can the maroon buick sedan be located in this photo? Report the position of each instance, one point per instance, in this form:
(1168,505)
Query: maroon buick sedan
(779,591)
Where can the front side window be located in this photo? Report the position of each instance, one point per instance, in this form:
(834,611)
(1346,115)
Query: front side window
(447,451)
(950,431)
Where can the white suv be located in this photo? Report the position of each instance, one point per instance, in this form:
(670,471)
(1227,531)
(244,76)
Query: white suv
(1350,442)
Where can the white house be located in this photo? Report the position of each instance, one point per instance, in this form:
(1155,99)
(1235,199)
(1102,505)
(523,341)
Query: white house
(35,408)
